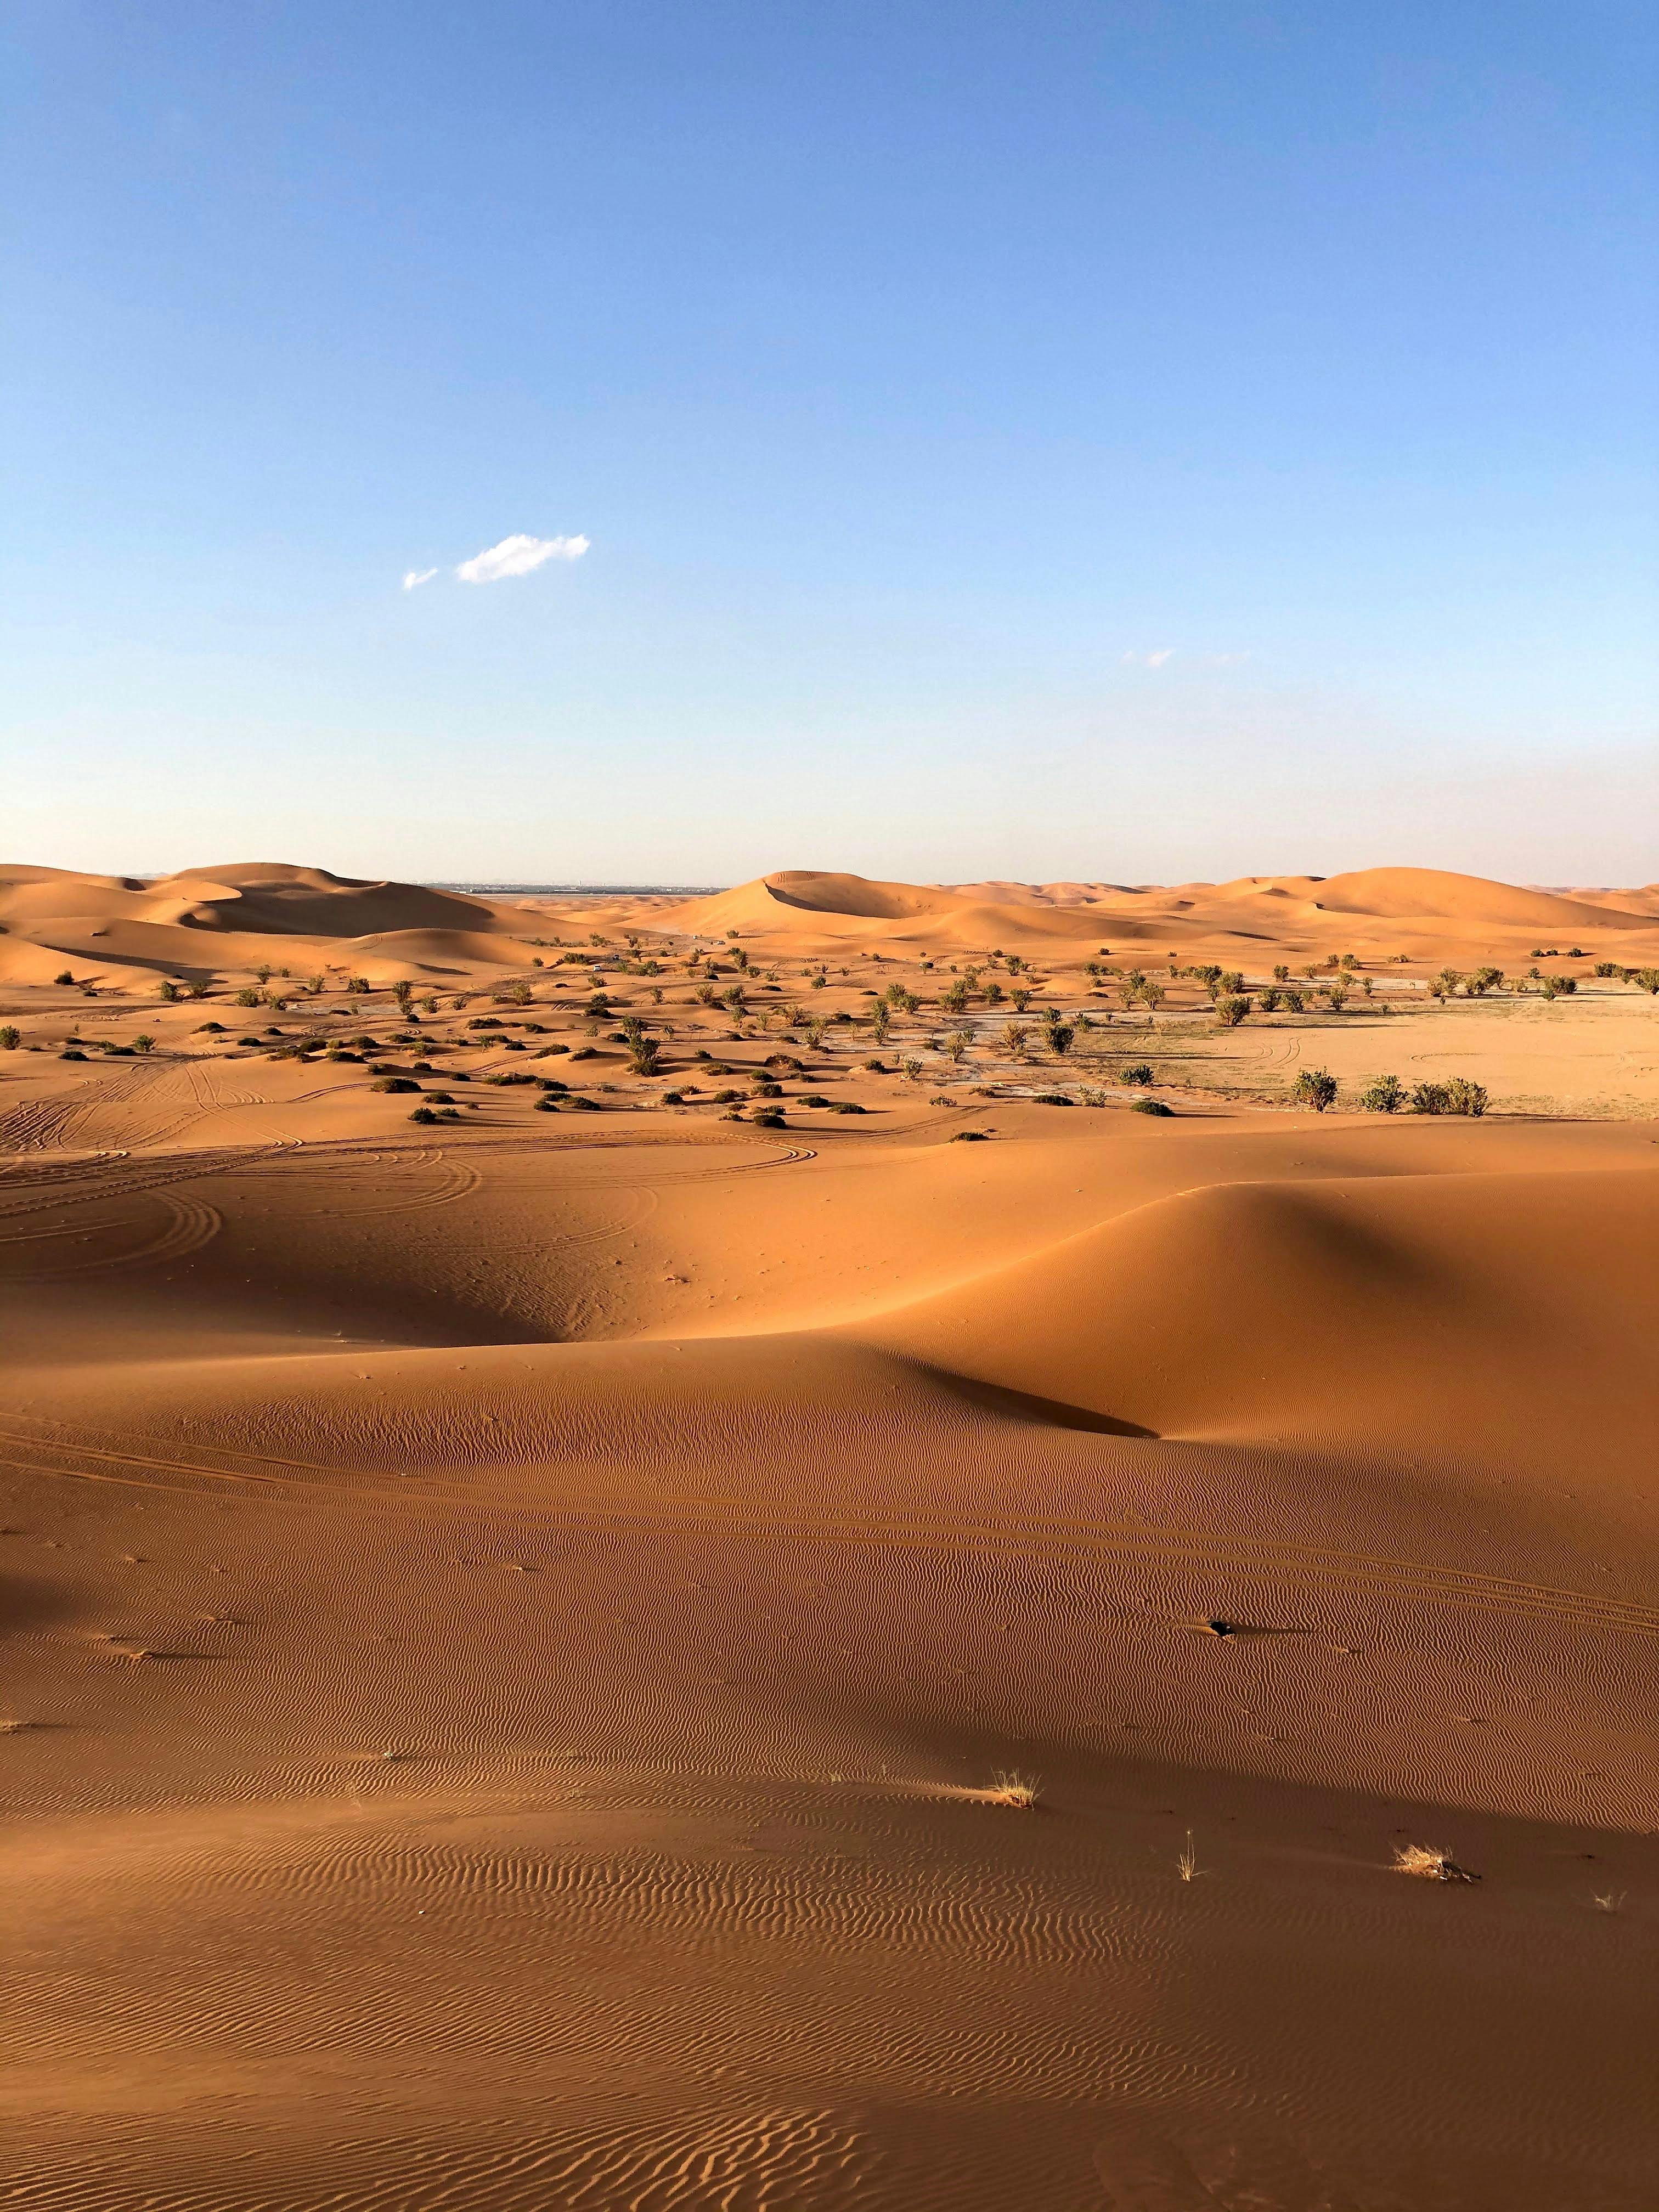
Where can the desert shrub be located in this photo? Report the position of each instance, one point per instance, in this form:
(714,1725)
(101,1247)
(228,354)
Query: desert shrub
(955,1000)
(1560,987)
(71,1052)
(1051,1098)
(247,996)
(769,1117)
(1281,973)
(1315,1087)
(958,1043)
(1015,1037)
(1428,1098)
(584,1052)
(143,1043)
(1296,1002)
(1337,995)
(969,1136)
(1021,998)
(424,1114)
(1058,1035)
(167,991)
(1231,1011)
(394,1083)
(763,1087)
(1139,1073)
(10,1037)
(1387,1095)
(209,1028)
(1464,1096)
(1484,980)
(910,1069)
(1152,1106)
(1270,1002)
(846,1106)
(813,1098)
(1649,980)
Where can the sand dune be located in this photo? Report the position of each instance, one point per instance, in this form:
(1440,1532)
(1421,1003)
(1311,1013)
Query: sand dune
(514,1624)
(1366,910)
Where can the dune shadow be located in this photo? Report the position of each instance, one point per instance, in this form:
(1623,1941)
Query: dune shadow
(1045,1413)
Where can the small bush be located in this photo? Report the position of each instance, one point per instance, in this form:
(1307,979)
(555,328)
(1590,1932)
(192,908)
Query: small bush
(1428,1098)
(583,1105)
(424,1114)
(1315,1087)
(168,991)
(247,996)
(1463,1097)
(1051,1098)
(1231,1011)
(813,1098)
(969,1136)
(1428,1863)
(547,1103)
(846,1106)
(399,1083)
(1152,1106)
(71,1052)
(10,1037)
(1270,1002)
(1139,1073)
(1296,1002)
(551,1051)
(768,1117)
(1386,1096)
(143,1043)
(63,977)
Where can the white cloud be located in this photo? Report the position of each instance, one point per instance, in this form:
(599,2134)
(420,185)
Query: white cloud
(415,577)
(517,556)
(1148,660)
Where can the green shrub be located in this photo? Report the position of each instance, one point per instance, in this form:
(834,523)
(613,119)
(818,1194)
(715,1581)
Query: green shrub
(1152,1106)
(1270,1002)
(168,991)
(1429,1098)
(71,1052)
(247,996)
(63,977)
(1231,1011)
(846,1106)
(1315,1087)
(1387,1095)
(1463,1097)
(424,1114)
(399,1083)
(1296,1002)
(10,1037)
(143,1043)
(1051,1098)
(768,1117)
(1137,1074)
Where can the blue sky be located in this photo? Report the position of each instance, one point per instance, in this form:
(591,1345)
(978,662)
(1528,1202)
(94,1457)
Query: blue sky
(1134,440)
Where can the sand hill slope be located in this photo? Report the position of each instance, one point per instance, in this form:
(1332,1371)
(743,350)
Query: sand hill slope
(1365,911)
(521,1630)
(207,922)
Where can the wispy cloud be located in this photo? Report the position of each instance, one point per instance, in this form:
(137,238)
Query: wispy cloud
(1149,659)
(517,556)
(1223,659)
(415,578)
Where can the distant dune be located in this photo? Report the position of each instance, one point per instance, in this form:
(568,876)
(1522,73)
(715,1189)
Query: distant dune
(1369,910)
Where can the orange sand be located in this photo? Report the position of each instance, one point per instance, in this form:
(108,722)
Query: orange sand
(514,1623)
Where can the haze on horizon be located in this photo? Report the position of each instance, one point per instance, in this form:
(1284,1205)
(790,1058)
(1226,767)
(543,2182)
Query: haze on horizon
(1145,443)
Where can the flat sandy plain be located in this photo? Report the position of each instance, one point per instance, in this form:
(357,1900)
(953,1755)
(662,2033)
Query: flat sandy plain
(515,1622)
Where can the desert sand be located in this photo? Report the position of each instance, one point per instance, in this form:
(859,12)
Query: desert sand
(781,1605)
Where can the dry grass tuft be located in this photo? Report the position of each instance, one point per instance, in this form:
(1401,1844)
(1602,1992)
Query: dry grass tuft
(1612,1900)
(1020,1791)
(1187,1861)
(1430,1864)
